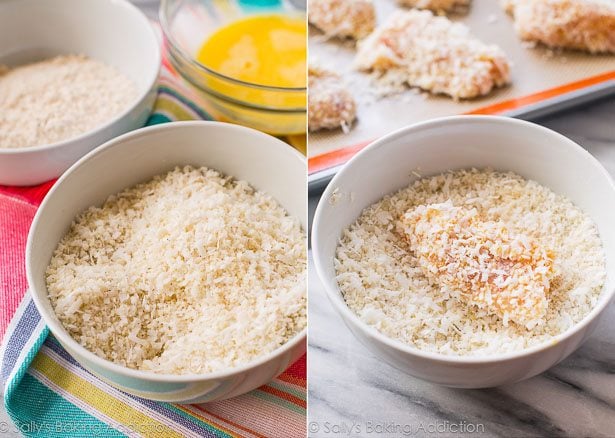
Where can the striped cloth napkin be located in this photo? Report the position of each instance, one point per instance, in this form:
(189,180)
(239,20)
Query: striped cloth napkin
(48,394)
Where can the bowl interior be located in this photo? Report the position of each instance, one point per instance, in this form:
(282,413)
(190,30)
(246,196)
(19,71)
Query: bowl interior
(464,142)
(32,30)
(266,162)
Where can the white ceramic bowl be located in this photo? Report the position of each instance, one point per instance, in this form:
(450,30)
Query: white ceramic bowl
(459,142)
(264,161)
(112,31)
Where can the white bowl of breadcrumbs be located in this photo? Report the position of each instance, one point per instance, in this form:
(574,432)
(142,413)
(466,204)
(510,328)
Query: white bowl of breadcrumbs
(171,261)
(63,93)
(469,251)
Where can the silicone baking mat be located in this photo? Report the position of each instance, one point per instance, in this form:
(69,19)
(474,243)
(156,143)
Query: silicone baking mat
(541,78)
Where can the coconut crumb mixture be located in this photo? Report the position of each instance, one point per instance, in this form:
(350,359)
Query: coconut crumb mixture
(59,98)
(434,54)
(575,24)
(471,262)
(343,18)
(191,272)
(330,103)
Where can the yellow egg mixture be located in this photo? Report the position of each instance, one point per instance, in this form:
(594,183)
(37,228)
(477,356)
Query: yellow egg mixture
(264,50)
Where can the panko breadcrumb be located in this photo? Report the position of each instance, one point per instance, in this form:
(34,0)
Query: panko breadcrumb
(436,5)
(330,104)
(382,281)
(480,262)
(58,99)
(343,18)
(434,54)
(191,272)
(572,24)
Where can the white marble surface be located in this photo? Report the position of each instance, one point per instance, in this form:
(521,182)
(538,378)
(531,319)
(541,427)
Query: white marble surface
(349,388)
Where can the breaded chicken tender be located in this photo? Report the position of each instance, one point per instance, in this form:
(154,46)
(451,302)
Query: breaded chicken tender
(480,262)
(572,24)
(508,6)
(434,54)
(343,18)
(436,5)
(330,104)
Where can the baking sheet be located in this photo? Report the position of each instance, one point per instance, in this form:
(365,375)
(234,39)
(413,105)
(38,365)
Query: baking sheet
(540,77)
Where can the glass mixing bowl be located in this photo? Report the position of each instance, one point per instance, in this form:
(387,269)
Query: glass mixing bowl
(187,24)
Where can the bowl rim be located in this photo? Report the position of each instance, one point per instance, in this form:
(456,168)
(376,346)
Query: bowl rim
(334,294)
(150,85)
(166,31)
(55,326)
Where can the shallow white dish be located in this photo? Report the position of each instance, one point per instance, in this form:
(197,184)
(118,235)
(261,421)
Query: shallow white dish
(264,161)
(112,31)
(459,142)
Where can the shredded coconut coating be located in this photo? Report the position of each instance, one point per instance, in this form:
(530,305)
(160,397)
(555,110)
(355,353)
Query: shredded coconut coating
(191,272)
(384,282)
(587,25)
(480,262)
(330,104)
(434,54)
(343,18)
(60,98)
(438,6)
(508,6)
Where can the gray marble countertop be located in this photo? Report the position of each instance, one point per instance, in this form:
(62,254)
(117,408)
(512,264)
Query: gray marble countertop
(352,393)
